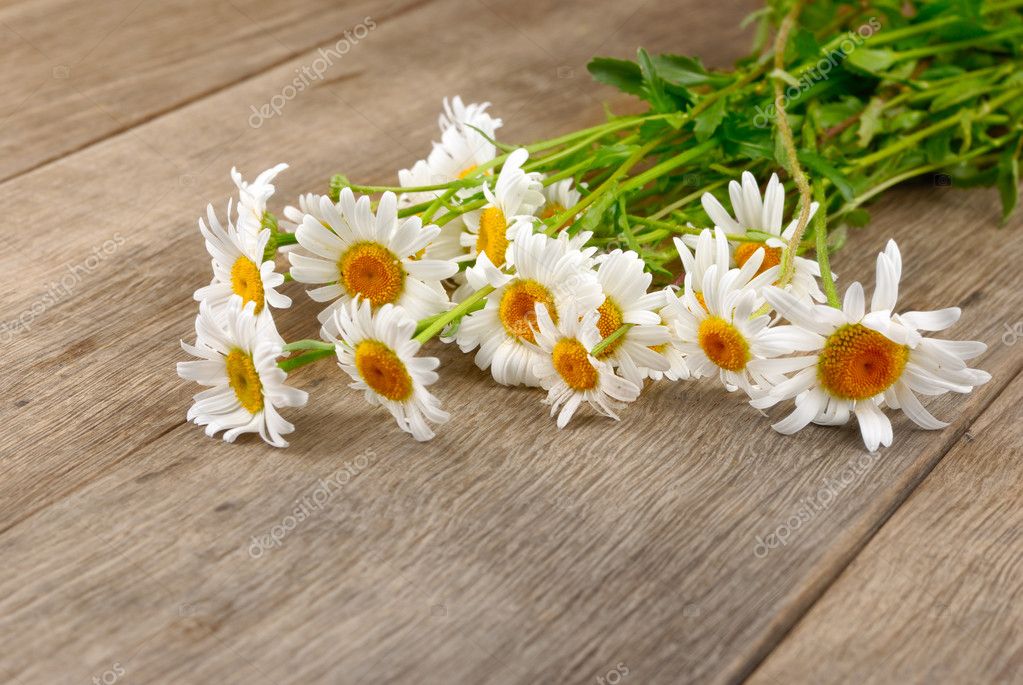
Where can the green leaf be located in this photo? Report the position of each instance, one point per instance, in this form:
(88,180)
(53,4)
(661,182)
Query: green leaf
(871,61)
(618,73)
(683,71)
(817,163)
(653,84)
(707,121)
(595,213)
(1008,177)
(870,121)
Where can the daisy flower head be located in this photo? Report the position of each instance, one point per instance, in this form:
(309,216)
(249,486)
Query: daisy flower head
(237,361)
(568,371)
(624,281)
(349,251)
(671,350)
(292,216)
(558,197)
(547,272)
(765,214)
(375,348)
(458,114)
(253,198)
(710,248)
(516,193)
(724,333)
(462,149)
(864,360)
(239,268)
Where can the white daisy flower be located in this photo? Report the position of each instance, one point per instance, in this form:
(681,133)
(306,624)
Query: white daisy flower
(624,282)
(863,360)
(237,359)
(460,152)
(356,253)
(753,213)
(670,350)
(710,248)
(239,268)
(515,194)
(375,347)
(291,218)
(567,370)
(720,332)
(558,197)
(549,272)
(457,114)
(253,198)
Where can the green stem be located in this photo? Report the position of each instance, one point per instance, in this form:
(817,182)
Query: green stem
(322,351)
(437,325)
(617,333)
(820,224)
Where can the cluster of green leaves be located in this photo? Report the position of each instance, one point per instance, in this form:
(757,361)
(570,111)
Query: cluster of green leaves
(877,93)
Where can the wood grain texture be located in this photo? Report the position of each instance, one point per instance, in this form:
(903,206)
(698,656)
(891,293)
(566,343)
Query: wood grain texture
(937,595)
(79,72)
(505,550)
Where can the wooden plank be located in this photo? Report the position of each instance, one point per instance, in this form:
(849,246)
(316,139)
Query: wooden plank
(937,594)
(503,551)
(132,60)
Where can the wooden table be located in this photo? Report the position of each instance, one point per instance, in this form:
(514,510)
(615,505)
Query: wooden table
(503,551)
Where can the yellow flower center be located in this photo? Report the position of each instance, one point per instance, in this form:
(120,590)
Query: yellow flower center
(551,209)
(723,343)
(573,365)
(772,255)
(858,363)
(245,281)
(517,309)
(372,271)
(466,171)
(492,238)
(244,380)
(611,319)
(699,298)
(383,370)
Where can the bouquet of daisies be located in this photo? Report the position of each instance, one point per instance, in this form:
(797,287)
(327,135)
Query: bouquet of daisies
(688,242)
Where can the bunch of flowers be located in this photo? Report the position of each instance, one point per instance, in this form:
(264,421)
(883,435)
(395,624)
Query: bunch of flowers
(644,249)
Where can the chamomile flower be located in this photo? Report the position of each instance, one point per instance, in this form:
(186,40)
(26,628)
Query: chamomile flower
(237,359)
(458,114)
(567,370)
(671,350)
(558,197)
(253,198)
(624,282)
(863,360)
(516,193)
(375,347)
(239,268)
(461,150)
(356,253)
(722,334)
(710,248)
(764,214)
(291,218)
(547,271)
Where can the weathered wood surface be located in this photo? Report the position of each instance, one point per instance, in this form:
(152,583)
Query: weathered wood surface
(505,550)
(937,594)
